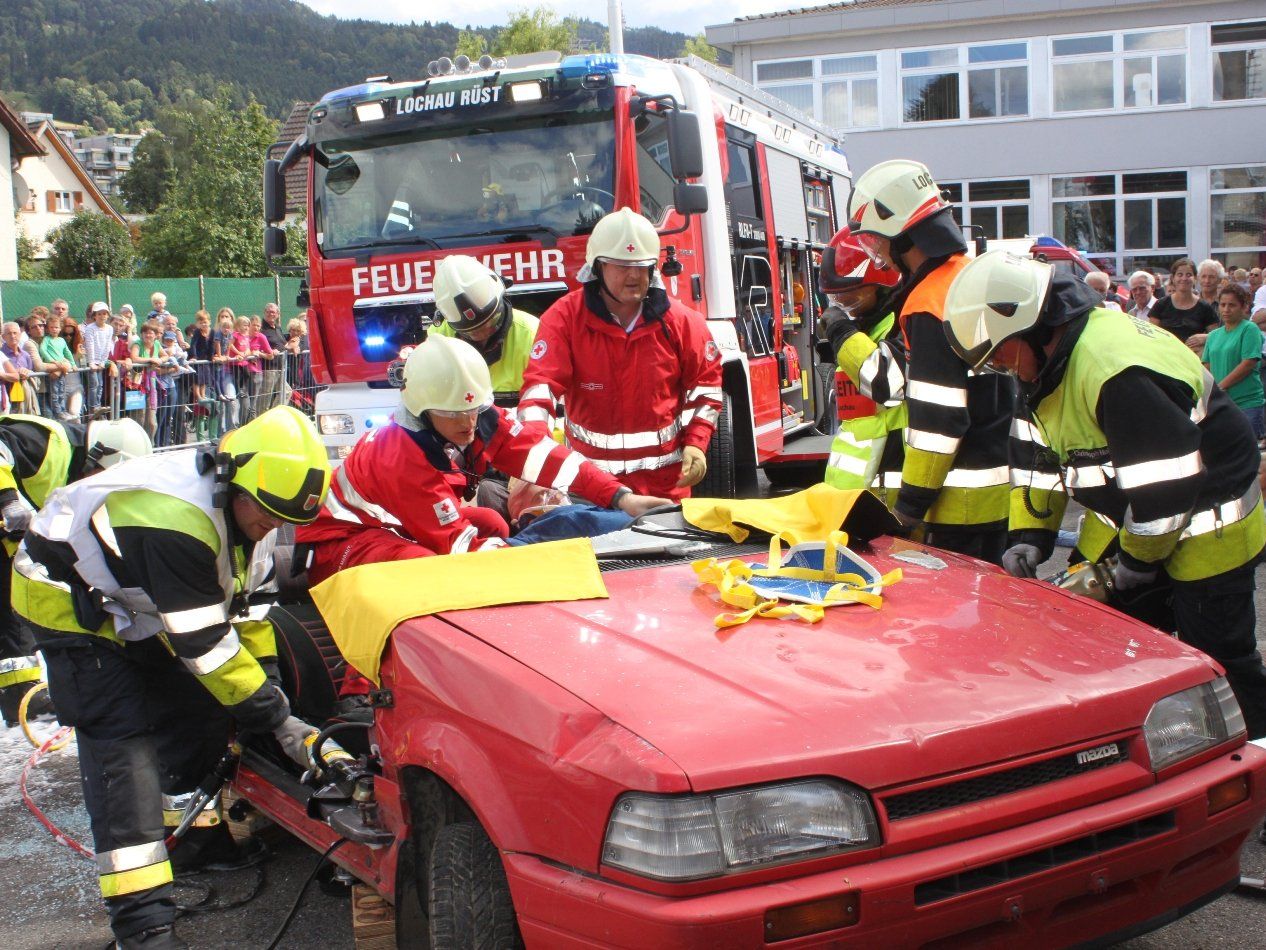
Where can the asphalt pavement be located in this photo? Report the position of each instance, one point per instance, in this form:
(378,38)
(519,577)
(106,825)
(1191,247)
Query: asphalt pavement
(51,901)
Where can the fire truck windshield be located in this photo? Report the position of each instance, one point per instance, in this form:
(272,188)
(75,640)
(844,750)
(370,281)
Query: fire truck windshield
(552,173)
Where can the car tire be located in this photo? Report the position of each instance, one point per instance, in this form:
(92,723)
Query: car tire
(721,479)
(468,896)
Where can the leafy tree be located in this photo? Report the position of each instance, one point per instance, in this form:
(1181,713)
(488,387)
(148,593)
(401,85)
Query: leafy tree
(530,31)
(470,44)
(699,46)
(145,185)
(212,221)
(28,267)
(91,244)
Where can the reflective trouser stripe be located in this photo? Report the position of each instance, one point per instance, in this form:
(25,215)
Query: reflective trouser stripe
(119,883)
(19,669)
(970,506)
(1096,535)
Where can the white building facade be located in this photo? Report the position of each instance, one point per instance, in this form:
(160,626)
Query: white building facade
(107,158)
(1134,130)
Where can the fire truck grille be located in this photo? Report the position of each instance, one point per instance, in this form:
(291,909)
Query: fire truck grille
(967,791)
(1066,852)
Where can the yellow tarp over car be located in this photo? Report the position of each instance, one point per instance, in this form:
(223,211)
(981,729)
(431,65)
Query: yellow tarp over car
(809,515)
(362,605)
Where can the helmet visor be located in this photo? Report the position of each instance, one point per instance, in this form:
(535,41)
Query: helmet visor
(874,246)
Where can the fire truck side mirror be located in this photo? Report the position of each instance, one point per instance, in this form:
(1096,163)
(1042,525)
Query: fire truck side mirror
(685,148)
(690,199)
(274,242)
(274,192)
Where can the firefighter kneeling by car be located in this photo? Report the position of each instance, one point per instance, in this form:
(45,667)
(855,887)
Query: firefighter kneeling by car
(1122,416)
(38,455)
(401,491)
(130,580)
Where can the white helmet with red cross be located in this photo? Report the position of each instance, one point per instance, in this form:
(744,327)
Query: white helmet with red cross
(447,374)
(624,236)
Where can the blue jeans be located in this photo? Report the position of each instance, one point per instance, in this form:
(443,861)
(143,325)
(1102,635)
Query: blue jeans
(1255,419)
(167,416)
(94,388)
(55,405)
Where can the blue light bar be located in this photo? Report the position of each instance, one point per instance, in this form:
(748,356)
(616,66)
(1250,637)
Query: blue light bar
(375,340)
(1049,242)
(574,67)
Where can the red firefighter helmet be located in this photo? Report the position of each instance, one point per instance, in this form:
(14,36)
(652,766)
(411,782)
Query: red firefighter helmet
(845,264)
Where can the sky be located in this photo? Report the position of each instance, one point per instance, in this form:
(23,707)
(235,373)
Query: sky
(685,16)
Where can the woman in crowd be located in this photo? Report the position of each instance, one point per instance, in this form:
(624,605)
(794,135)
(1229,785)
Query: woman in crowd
(226,384)
(296,336)
(1232,353)
(1183,313)
(74,381)
(1210,277)
(120,358)
(147,357)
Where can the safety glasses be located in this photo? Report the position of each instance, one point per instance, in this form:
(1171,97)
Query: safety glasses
(469,415)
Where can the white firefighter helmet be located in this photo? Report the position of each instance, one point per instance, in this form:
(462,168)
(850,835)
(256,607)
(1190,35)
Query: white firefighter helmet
(111,441)
(891,197)
(995,297)
(624,236)
(447,374)
(467,294)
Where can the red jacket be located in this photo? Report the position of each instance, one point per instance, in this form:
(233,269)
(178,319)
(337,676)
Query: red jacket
(633,400)
(412,482)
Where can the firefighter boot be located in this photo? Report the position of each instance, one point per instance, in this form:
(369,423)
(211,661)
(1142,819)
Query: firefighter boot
(154,938)
(213,849)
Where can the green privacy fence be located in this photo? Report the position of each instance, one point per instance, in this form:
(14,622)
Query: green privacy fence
(185,295)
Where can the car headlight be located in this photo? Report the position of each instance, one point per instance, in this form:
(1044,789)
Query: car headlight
(1187,723)
(336,423)
(687,837)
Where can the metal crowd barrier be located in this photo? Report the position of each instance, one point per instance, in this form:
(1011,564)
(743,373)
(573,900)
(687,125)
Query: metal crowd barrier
(180,403)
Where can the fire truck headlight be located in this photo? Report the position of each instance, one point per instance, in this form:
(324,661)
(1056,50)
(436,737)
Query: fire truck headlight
(525,92)
(336,423)
(370,112)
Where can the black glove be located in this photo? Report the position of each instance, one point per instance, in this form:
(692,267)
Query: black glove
(1021,560)
(908,522)
(835,326)
(1129,576)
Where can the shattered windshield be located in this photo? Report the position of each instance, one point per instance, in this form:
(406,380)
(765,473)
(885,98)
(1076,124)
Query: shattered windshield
(546,173)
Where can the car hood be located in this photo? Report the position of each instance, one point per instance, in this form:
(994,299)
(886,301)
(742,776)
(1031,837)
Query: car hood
(961,666)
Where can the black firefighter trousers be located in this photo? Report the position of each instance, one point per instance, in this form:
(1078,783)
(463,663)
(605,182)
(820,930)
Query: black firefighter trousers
(145,727)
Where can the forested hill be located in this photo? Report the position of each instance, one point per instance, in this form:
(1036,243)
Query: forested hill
(112,63)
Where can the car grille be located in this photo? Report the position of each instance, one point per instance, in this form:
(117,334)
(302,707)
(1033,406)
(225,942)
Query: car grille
(967,791)
(1034,862)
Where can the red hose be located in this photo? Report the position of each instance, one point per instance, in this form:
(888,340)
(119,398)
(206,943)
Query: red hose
(43,819)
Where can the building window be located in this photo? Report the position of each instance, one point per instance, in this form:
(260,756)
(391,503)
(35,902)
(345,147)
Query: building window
(842,91)
(1138,218)
(1237,232)
(985,81)
(1119,70)
(1239,61)
(61,202)
(999,208)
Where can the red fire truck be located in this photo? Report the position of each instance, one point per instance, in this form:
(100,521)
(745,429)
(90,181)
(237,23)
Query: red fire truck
(513,161)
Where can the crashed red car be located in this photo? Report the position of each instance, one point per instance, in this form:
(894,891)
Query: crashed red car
(983,761)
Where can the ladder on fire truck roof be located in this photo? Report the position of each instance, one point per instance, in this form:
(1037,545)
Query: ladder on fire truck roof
(745,91)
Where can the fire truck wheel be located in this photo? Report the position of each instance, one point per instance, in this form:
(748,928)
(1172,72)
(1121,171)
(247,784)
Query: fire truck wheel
(467,894)
(720,481)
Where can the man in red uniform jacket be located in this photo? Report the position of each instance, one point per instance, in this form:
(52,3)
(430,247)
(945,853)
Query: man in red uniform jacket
(640,373)
(399,493)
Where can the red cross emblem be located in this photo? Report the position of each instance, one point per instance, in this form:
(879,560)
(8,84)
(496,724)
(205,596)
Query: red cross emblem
(630,248)
(470,397)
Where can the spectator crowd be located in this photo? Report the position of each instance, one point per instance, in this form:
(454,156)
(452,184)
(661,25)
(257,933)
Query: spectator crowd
(182,384)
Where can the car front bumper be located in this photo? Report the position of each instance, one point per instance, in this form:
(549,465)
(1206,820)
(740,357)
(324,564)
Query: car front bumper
(1182,857)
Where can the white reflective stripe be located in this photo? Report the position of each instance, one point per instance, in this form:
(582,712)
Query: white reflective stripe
(708,414)
(1027,478)
(1160,470)
(624,440)
(932,441)
(568,471)
(1156,527)
(195,618)
(1025,431)
(1211,519)
(1103,519)
(105,530)
(936,394)
(869,372)
(14,663)
(537,456)
(625,466)
(849,438)
(977,477)
(537,391)
(132,857)
(848,463)
(1201,408)
(216,657)
(702,392)
(462,544)
(336,509)
(352,499)
(533,414)
(767,427)
(1088,476)
(891,480)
